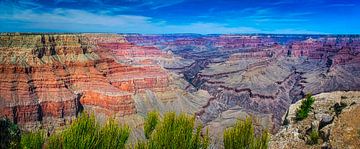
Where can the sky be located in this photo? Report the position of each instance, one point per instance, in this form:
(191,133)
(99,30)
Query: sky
(182,16)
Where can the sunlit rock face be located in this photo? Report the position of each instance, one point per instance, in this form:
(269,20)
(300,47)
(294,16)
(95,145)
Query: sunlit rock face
(47,79)
(259,75)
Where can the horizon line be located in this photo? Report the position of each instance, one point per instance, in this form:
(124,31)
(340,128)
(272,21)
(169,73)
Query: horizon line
(2,33)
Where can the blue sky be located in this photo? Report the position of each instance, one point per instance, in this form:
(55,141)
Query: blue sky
(181,16)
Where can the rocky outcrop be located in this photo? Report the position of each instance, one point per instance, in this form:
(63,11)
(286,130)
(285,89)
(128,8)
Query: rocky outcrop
(260,76)
(333,117)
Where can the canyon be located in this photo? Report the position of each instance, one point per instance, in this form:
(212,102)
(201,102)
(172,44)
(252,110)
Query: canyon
(47,79)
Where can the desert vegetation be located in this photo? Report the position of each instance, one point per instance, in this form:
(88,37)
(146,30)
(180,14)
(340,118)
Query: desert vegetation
(32,140)
(9,134)
(173,131)
(242,136)
(305,107)
(313,137)
(176,131)
(85,132)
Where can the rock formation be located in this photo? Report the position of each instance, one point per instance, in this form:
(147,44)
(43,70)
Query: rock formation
(333,116)
(46,79)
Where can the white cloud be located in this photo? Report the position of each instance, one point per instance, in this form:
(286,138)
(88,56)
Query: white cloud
(70,20)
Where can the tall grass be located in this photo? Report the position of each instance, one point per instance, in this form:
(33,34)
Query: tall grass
(176,132)
(242,136)
(32,140)
(85,133)
(313,137)
(113,136)
(150,122)
(170,132)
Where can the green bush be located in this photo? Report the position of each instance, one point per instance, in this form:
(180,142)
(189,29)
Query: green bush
(150,123)
(242,136)
(176,132)
(113,136)
(85,133)
(54,141)
(9,134)
(32,140)
(305,108)
(314,137)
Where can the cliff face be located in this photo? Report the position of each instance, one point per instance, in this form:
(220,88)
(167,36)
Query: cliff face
(260,75)
(45,80)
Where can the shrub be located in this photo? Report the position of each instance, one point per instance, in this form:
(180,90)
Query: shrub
(314,137)
(113,136)
(305,108)
(85,133)
(140,145)
(150,123)
(176,132)
(54,142)
(32,140)
(242,136)
(9,134)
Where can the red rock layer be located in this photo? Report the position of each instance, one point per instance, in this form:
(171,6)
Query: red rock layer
(131,50)
(231,42)
(45,77)
(346,56)
(305,48)
(339,50)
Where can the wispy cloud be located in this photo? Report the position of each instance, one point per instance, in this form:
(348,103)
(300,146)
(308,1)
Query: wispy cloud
(69,20)
(341,5)
(182,16)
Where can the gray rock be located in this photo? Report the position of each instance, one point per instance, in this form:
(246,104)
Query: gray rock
(325,145)
(325,133)
(326,120)
(315,125)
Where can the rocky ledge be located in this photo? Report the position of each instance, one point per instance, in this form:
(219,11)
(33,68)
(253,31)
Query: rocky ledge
(335,118)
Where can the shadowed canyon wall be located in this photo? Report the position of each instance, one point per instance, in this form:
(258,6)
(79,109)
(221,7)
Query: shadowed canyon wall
(46,79)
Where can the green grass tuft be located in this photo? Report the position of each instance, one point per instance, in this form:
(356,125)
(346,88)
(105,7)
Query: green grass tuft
(86,133)
(314,137)
(32,140)
(151,121)
(242,136)
(176,132)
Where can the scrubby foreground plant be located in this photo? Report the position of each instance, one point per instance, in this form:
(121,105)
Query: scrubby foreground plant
(242,136)
(86,133)
(173,131)
(32,140)
(150,123)
(9,134)
(305,108)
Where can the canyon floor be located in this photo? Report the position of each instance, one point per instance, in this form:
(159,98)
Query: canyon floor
(47,79)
